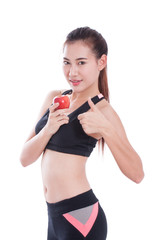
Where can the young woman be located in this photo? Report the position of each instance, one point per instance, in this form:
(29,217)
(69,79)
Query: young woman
(66,137)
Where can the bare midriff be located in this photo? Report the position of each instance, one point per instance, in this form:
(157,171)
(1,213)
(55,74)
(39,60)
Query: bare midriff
(63,175)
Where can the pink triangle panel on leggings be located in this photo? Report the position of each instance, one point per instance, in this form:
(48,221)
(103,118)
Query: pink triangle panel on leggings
(83,228)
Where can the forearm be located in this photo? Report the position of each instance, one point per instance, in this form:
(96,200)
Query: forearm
(127,159)
(34,147)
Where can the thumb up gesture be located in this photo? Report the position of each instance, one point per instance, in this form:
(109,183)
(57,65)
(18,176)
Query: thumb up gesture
(93,121)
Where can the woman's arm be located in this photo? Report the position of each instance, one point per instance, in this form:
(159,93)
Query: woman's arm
(35,144)
(108,124)
(34,147)
(115,137)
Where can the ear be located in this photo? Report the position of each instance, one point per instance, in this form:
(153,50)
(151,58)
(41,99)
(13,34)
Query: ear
(102,62)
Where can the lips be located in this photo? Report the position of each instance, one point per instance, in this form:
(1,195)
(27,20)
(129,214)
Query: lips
(73,80)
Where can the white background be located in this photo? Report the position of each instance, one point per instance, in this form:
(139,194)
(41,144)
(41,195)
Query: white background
(32,34)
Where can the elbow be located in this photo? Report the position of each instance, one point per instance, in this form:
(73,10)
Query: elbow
(23,161)
(26,160)
(136,175)
(138,172)
(139,177)
(24,164)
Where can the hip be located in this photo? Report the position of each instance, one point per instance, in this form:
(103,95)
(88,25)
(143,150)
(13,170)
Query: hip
(77,217)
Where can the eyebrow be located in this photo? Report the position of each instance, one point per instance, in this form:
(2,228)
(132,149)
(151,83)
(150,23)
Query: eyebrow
(81,58)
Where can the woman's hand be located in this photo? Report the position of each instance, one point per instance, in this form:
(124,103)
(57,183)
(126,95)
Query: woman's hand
(93,121)
(56,118)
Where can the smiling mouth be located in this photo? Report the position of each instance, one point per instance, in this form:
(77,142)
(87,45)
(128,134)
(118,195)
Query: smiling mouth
(75,81)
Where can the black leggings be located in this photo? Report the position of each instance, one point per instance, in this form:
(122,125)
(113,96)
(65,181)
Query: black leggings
(77,218)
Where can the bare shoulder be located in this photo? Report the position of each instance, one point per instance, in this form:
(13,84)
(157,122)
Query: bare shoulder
(111,115)
(54,93)
(48,100)
(108,110)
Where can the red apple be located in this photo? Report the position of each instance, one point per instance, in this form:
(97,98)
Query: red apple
(64,101)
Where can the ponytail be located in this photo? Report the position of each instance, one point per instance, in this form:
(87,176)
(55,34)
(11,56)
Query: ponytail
(103,88)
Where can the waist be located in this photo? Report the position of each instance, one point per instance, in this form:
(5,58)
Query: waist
(57,189)
(63,176)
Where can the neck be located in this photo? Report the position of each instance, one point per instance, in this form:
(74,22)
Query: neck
(84,94)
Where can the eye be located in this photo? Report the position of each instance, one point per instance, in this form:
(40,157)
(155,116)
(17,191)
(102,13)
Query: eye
(65,63)
(81,63)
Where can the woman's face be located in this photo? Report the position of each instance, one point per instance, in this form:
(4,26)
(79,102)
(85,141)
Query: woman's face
(80,66)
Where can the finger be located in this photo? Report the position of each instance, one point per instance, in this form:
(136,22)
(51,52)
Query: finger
(92,105)
(82,121)
(60,118)
(53,107)
(80,116)
(63,122)
(60,112)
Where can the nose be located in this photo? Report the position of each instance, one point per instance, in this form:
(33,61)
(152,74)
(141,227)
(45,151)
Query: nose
(73,71)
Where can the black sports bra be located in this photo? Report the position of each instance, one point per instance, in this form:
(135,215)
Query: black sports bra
(71,138)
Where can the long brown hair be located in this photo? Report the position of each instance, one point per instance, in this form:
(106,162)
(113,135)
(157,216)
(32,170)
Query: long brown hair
(99,47)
